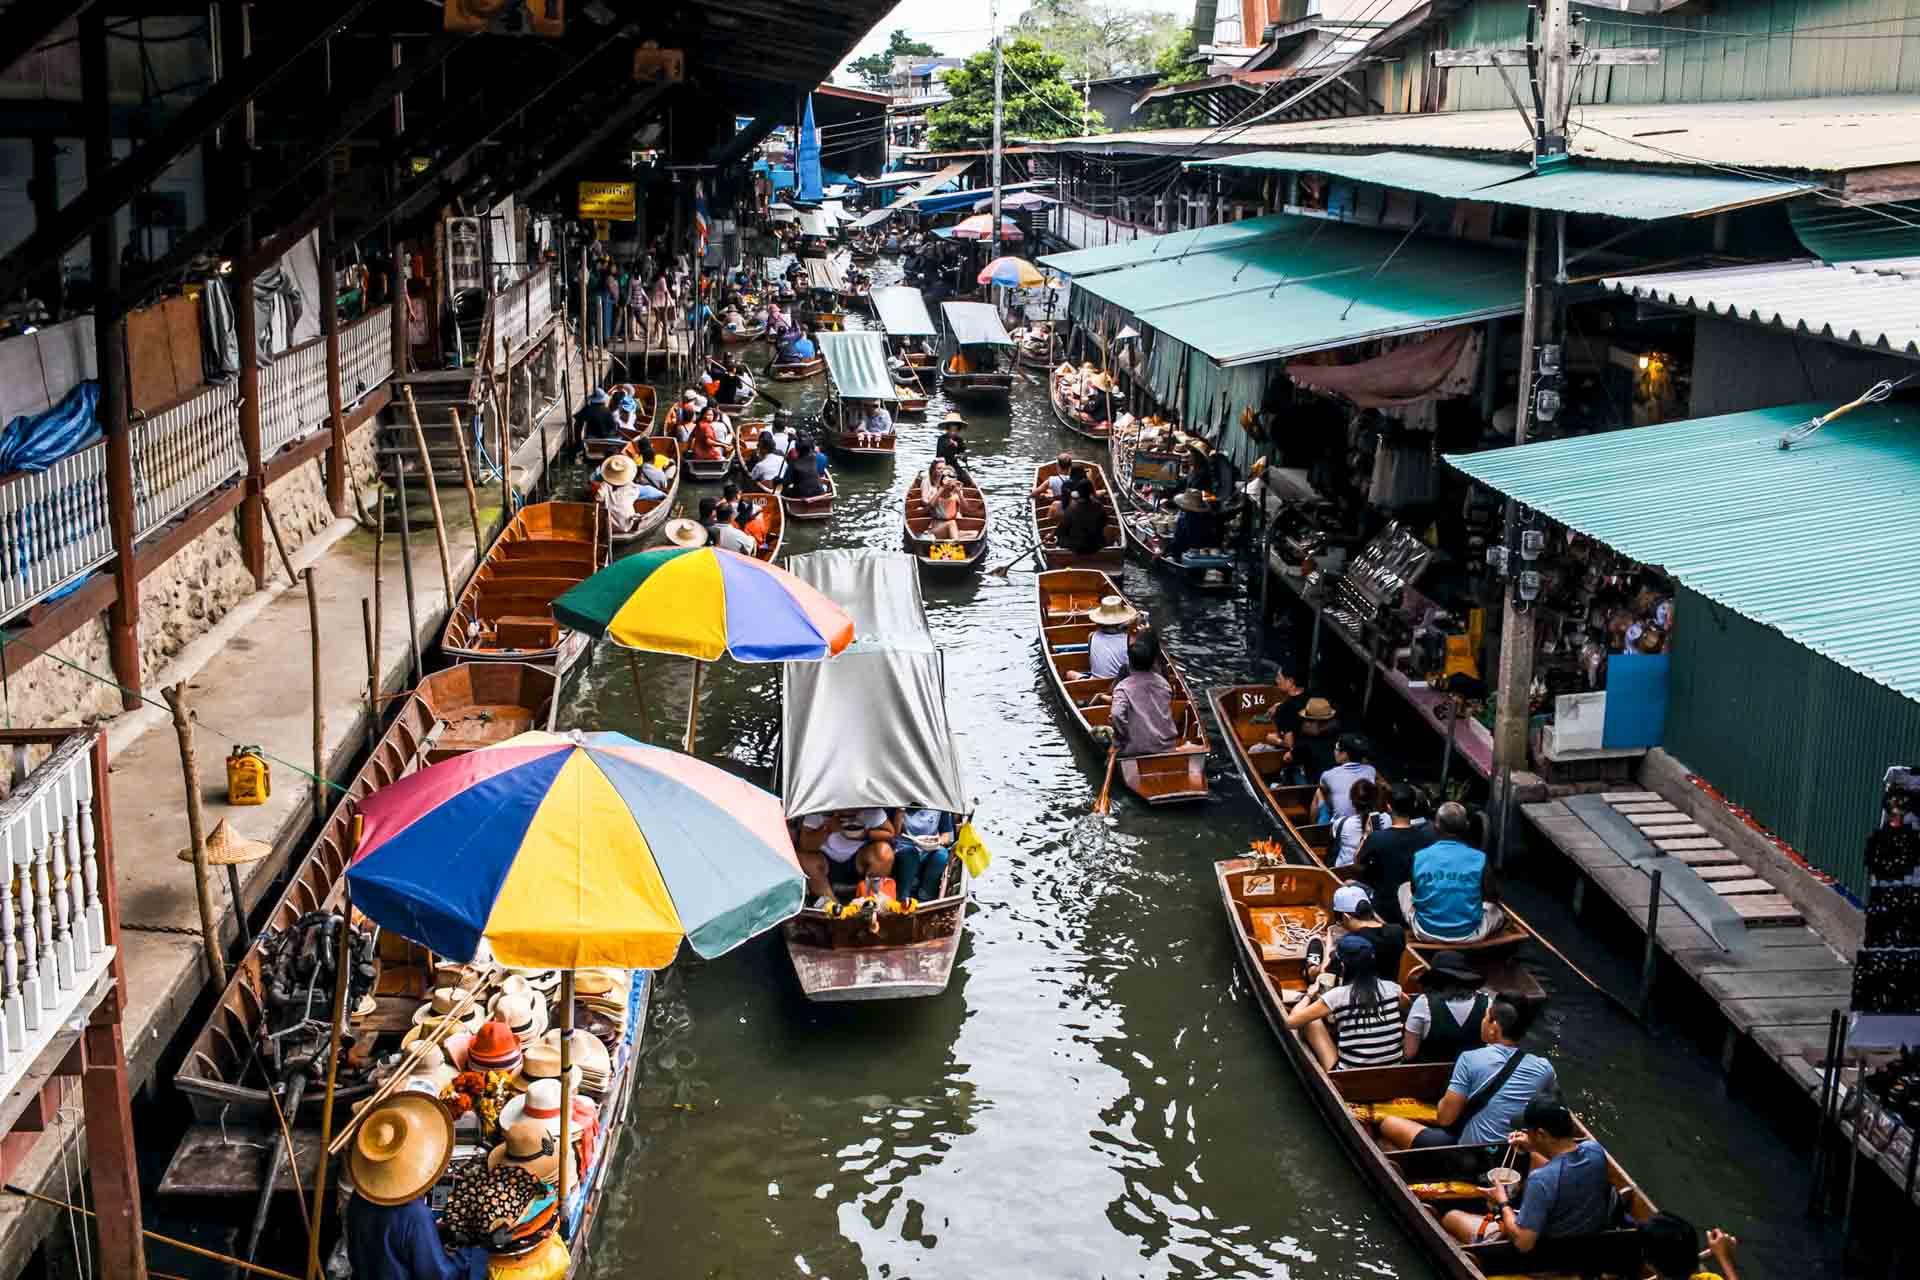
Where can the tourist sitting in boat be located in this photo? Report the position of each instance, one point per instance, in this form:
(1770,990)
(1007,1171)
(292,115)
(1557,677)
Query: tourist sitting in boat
(804,480)
(1290,698)
(654,471)
(1054,485)
(1445,1018)
(1083,529)
(769,464)
(1567,1192)
(780,433)
(622,493)
(796,348)
(1353,913)
(874,427)
(709,511)
(706,443)
(930,479)
(920,853)
(626,410)
(752,516)
(946,512)
(1334,799)
(1384,861)
(1671,1246)
(952,450)
(1363,1012)
(1489,1089)
(594,420)
(838,850)
(1368,816)
(1313,742)
(1197,527)
(1453,894)
(1113,620)
(1141,722)
(726,533)
(777,320)
(745,516)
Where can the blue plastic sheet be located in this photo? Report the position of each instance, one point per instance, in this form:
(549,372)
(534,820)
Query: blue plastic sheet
(35,441)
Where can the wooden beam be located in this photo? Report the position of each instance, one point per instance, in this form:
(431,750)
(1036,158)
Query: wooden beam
(104,1095)
(625,117)
(23,26)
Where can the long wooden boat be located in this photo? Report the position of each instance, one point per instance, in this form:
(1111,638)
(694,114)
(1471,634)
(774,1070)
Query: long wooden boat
(911,402)
(708,470)
(1070,418)
(797,370)
(883,957)
(450,713)
(506,612)
(977,386)
(1133,466)
(858,296)
(818,318)
(848,443)
(1065,597)
(746,441)
(1244,714)
(1266,902)
(1201,572)
(1110,556)
(652,512)
(733,338)
(646,416)
(941,555)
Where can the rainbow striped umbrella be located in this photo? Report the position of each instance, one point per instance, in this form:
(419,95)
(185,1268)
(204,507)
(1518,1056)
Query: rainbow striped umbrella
(572,851)
(1011,273)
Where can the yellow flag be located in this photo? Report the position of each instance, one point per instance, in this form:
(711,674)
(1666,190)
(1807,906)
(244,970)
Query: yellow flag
(972,850)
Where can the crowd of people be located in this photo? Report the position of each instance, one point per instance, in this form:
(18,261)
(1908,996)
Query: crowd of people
(900,854)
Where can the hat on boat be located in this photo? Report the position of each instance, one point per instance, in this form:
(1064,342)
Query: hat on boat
(225,849)
(1188,500)
(401,1148)
(1349,898)
(596,396)
(682,532)
(1113,612)
(1317,709)
(524,1014)
(1454,967)
(1352,946)
(529,1146)
(429,1026)
(591,1058)
(541,1061)
(619,469)
(541,1102)
(595,982)
(442,1005)
(494,1048)
(467,977)
(952,418)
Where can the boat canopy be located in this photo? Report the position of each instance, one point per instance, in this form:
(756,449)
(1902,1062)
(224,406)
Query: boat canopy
(816,224)
(903,312)
(974,324)
(824,273)
(868,729)
(873,218)
(857,363)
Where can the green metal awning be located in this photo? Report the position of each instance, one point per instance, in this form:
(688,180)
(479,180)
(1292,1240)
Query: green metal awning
(1307,284)
(857,363)
(903,312)
(1572,188)
(1816,542)
(1111,257)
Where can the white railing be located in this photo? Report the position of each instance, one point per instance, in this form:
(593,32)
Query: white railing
(1085,230)
(53,528)
(53,928)
(519,311)
(366,354)
(293,396)
(185,453)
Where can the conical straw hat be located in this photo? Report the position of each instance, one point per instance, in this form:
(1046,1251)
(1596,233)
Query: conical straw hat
(401,1149)
(225,849)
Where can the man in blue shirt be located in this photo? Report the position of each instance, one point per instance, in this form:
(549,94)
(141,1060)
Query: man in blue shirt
(398,1153)
(1453,895)
(1567,1193)
(1487,1093)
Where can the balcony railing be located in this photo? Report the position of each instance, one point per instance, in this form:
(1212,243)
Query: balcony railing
(519,311)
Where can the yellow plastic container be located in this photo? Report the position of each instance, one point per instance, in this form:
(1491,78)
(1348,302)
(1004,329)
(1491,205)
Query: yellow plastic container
(249,780)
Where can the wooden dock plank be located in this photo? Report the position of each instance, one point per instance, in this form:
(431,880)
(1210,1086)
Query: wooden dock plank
(1757,959)
(1613,796)
(1683,844)
(1643,806)
(1665,827)
(1755,984)
(1665,818)
(1733,888)
(1783,1011)
(1699,857)
(1722,871)
(1765,908)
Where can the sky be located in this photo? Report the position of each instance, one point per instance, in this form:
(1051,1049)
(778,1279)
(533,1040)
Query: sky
(961,27)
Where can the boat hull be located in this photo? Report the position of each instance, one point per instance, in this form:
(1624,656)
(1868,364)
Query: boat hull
(505,614)
(839,961)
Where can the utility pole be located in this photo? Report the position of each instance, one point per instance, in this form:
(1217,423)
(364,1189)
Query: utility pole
(993,21)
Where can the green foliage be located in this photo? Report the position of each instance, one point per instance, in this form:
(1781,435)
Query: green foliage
(1039,103)
(876,69)
(1173,68)
(1100,39)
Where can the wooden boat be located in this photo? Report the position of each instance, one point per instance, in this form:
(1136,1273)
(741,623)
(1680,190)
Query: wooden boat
(708,470)
(1261,897)
(860,296)
(938,554)
(1132,466)
(744,445)
(506,612)
(1244,714)
(753,333)
(450,713)
(796,370)
(1110,556)
(847,443)
(906,956)
(652,512)
(646,417)
(1201,572)
(1065,598)
(821,317)
(976,386)
(1070,418)
(912,401)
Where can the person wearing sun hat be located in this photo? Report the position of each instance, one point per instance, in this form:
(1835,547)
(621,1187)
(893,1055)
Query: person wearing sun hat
(1107,646)
(622,493)
(398,1153)
(952,450)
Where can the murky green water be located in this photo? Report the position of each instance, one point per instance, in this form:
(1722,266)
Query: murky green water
(1096,1094)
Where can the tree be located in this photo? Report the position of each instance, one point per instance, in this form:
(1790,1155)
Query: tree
(876,69)
(1173,67)
(1099,39)
(1039,103)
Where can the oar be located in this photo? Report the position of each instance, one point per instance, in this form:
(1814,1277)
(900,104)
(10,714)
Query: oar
(1105,802)
(1017,557)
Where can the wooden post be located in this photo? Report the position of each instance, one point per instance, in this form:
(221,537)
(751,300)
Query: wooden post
(693,704)
(110,346)
(466,478)
(506,453)
(253,541)
(539,420)
(196,833)
(373,674)
(1651,954)
(379,557)
(400,349)
(336,401)
(319,706)
(343,967)
(566,1061)
(433,495)
(415,671)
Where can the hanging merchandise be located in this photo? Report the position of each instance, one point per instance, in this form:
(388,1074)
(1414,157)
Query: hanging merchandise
(1886,974)
(220,351)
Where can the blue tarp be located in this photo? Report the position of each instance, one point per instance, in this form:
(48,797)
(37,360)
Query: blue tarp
(35,441)
(812,190)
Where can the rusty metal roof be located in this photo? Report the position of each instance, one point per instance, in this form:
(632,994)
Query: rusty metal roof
(1875,305)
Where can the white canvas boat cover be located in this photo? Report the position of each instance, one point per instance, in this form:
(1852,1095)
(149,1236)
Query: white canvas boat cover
(869,729)
(973,324)
(816,224)
(903,312)
(824,273)
(872,218)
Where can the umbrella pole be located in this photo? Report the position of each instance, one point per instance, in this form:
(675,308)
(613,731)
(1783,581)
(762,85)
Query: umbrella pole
(566,1080)
(693,704)
(343,966)
(639,692)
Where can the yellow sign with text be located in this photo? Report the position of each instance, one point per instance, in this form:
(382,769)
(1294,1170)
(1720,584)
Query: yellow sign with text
(613,200)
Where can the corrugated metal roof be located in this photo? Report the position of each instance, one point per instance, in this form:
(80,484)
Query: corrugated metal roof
(1109,257)
(1816,542)
(1856,232)
(857,363)
(1871,305)
(1305,284)
(1575,189)
(1809,135)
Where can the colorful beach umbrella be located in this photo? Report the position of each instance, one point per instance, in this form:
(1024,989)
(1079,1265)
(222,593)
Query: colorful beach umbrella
(1011,273)
(571,851)
(980,227)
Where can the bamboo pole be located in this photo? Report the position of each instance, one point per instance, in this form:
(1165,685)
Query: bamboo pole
(566,1080)
(343,969)
(319,705)
(639,692)
(177,1243)
(433,496)
(403,1072)
(415,671)
(539,420)
(506,454)
(693,704)
(273,527)
(373,675)
(379,557)
(473,498)
(196,832)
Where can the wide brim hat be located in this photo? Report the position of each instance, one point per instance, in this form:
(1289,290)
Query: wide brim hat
(619,469)
(541,1102)
(541,1061)
(526,1146)
(425,1029)
(1317,709)
(1453,966)
(590,1056)
(524,1014)
(401,1148)
(1188,500)
(441,1008)
(1113,612)
(682,532)
(226,848)
(952,419)
(494,1048)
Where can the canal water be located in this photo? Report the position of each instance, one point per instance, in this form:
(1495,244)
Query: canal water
(1096,1094)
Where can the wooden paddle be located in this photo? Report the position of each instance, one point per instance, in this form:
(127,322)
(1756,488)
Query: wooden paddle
(1105,802)
(1017,557)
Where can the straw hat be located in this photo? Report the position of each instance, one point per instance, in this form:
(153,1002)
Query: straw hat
(225,849)
(529,1146)
(540,1102)
(952,418)
(618,470)
(429,1026)
(1188,500)
(1113,612)
(1317,709)
(401,1149)
(590,1057)
(594,982)
(541,1061)
(682,532)
(440,1008)
(494,1048)
(467,977)
(525,1016)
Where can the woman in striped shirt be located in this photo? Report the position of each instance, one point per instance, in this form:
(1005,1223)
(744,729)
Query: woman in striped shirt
(1363,1013)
